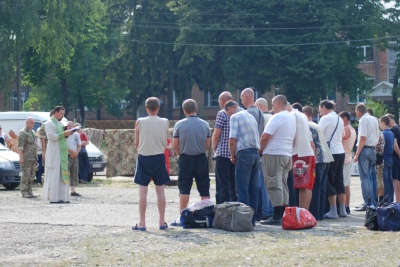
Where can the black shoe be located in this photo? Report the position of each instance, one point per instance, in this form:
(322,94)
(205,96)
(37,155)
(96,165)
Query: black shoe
(82,182)
(272,221)
(265,217)
(361,208)
(348,210)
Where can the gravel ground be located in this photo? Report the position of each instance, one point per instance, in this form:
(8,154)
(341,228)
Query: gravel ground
(95,230)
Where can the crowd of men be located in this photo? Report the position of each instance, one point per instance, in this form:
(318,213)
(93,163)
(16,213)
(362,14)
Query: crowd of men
(61,151)
(270,160)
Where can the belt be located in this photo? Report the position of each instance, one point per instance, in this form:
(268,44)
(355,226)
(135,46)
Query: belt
(369,146)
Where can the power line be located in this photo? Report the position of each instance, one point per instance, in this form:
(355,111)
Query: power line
(255,45)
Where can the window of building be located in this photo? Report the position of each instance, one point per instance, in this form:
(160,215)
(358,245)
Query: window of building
(366,53)
(392,57)
(175,100)
(211,99)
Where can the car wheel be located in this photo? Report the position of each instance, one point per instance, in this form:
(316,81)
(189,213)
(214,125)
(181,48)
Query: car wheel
(90,177)
(11,186)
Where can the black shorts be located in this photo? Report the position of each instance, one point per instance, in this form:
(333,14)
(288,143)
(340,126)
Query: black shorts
(396,168)
(151,167)
(335,175)
(196,167)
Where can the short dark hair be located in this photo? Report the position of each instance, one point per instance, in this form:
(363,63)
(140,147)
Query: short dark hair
(345,114)
(230,104)
(308,111)
(58,108)
(370,111)
(297,106)
(152,103)
(385,120)
(328,104)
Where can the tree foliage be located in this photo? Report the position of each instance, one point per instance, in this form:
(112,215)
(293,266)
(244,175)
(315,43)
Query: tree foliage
(94,53)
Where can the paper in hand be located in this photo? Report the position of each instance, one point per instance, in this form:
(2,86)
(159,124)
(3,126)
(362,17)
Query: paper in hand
(74,129)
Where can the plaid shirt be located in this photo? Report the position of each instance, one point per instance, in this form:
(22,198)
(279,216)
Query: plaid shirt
(244,128)
(222,122)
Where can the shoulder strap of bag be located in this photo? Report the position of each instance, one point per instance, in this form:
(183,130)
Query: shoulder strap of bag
(335,128)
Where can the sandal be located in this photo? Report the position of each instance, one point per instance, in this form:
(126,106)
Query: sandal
(137,228)
(164,227)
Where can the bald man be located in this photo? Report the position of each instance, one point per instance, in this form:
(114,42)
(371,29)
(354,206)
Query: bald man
(224,168)
(27,157)
(262,104)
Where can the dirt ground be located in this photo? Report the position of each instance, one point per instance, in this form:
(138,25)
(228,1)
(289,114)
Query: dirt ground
(95,230)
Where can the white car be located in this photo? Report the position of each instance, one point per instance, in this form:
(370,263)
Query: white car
(10,169)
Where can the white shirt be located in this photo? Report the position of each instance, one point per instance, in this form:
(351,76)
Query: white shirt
(73,141)
(282,128)
(369,128)
(302,141)
(328,124)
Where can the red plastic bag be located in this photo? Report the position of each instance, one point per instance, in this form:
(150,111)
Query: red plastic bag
(296,218)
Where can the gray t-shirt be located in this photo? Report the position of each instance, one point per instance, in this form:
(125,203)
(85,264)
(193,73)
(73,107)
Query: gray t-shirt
(258,115)
(73,141)
(192,133)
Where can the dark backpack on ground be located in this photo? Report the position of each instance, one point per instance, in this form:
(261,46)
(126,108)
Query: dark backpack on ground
(389,217)
(202,218)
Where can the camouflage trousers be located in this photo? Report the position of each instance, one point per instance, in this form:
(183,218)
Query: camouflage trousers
(28,176)
(73,168)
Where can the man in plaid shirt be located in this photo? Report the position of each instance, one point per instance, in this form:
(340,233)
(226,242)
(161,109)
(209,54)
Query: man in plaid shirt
(224,168)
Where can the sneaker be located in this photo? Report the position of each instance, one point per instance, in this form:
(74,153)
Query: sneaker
(272,221)
(27,196)
(361,208)
(75,194)
(82,182)
(177,223)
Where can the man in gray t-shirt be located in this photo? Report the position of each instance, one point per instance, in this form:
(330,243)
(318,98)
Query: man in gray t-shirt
(192,139)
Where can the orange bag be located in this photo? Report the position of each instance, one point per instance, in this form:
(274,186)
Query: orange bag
(296,218)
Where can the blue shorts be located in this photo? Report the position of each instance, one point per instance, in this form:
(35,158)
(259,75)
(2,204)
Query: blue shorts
(196,167)
(151,167)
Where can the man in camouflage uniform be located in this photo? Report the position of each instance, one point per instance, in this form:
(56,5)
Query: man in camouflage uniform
(27,157)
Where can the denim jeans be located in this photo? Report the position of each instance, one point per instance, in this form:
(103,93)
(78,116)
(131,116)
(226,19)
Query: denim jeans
(247,178)
(265,207)
(292,192)
(317,205)
(225,180)
(374,182)
(366,162)
(84,165)
(388,181)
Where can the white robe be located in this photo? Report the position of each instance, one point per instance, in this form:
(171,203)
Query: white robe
(54,188)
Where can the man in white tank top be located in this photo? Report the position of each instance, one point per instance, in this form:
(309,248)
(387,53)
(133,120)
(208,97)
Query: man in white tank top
(151,135)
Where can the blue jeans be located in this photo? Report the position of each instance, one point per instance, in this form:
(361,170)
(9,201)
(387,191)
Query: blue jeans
(265,207)
(292,192)
(374,182)
(84,165)
(318,200)
(366,163)
(388,181)
(225,180)
(247,178)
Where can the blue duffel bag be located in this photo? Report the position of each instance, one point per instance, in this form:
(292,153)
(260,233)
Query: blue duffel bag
(389,217)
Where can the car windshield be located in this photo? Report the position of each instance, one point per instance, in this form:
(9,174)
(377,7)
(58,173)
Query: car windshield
(2,147)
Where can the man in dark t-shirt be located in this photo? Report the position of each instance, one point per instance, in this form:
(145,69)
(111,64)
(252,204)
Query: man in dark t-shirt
(396,157)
